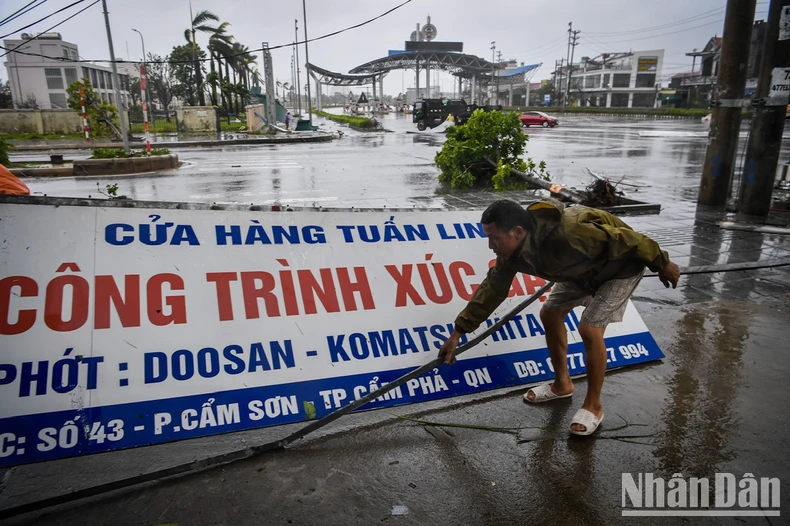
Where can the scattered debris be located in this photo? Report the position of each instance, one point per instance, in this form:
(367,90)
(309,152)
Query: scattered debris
(397,509)
(394,462)
(412,485)
(602,193)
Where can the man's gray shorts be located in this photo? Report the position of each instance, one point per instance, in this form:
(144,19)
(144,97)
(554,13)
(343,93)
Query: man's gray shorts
(607,306)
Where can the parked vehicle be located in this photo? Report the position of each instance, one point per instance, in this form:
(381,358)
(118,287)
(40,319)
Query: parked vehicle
(538,118)
(430,113)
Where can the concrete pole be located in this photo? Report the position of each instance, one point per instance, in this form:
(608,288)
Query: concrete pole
(765,138)
(726,115)
(510,96)
(474,83)
(381,88)
(417,77)
(526,102)
(116,84)
(298,72)
(307,59)
(427,82)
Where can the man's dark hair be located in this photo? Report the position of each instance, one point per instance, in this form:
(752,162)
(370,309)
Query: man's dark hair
(506,215)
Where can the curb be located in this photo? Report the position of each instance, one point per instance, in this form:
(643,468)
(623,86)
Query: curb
(132,165)
(183,144)
(125,166)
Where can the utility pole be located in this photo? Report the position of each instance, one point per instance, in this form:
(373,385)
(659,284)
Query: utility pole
(116,85)
(298,80)
(726,111)
(567,61)
(499,61)
(574,42)
(268,78)
(765,137)
(307,60)
(493,53)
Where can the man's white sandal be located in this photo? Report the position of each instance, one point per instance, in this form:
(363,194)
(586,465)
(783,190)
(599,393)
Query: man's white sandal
(588,420)
(543,393)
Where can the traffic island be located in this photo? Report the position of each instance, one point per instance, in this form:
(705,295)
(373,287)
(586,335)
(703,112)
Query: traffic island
(111,166)
(129,165)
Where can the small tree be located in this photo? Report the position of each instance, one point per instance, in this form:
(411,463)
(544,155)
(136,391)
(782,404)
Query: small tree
(161,81)
(6,101)
(483,151)
(30,102)
(100,113)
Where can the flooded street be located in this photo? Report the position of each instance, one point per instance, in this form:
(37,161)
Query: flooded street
(396,169)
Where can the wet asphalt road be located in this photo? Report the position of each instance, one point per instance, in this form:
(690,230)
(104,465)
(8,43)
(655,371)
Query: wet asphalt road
(717,403)
(396,169)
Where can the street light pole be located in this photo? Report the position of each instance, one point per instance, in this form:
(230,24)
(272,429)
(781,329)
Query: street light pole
(145,66)
(493,52)
(144,96)
(307,60)
(298,80)
(115,81)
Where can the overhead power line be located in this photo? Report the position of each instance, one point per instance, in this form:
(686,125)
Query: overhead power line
(288,45)
(42,19)
(686,20)
(662,34)
(21,11)
(47,31)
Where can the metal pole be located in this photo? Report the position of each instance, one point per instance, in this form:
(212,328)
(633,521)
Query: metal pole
(493,52)
(726,113)
(307,60)
(84,113)
(143,86)
(567,62)
(115,82)
(765,138)
(298,80)
(147,94)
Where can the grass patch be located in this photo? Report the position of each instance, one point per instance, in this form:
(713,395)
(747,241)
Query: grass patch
(161,126)
(359,122)
(118,153)
(674,112)
(41,136)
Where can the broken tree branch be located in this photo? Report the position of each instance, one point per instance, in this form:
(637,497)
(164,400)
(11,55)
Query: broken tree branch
(540,183)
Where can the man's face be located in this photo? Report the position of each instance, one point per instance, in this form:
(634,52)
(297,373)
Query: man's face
(504,244)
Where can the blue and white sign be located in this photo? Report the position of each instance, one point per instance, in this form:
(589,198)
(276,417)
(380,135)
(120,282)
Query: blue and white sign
(124,327)
(547,98)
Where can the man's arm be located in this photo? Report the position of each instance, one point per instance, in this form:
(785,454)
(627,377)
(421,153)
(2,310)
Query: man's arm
(627,243)
(491,292)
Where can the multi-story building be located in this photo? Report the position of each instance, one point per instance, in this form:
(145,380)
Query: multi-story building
(700,83)
(42,80)
(612,80)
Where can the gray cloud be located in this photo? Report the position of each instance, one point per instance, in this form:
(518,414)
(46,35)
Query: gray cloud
(529,31)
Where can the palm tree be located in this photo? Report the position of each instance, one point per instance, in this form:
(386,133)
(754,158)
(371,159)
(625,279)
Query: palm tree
(199,23)
(220,45)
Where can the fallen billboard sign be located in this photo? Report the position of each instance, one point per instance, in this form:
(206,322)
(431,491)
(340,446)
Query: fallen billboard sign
(124,327)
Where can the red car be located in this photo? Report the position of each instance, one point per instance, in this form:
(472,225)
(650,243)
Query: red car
(538,118)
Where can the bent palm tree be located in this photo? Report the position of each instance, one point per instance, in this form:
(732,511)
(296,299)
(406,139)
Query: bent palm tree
(199,23)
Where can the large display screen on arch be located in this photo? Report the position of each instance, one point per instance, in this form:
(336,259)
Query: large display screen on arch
(123,327)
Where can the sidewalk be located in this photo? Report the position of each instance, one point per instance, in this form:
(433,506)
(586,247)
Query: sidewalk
(715,404)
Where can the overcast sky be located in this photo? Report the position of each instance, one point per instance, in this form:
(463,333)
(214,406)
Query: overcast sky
(529,31)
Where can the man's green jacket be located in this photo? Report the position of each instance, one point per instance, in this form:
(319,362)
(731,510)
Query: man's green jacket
(581,245)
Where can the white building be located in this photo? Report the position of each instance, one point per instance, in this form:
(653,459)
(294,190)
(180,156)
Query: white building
(45,80)
(613,80)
